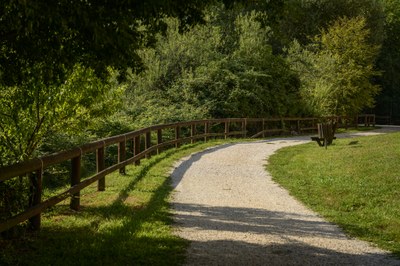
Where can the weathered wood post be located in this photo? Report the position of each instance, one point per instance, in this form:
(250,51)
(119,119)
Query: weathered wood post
(122,155)
(136,149)
(100,166)
(244,127)
(159,139)
(206,131)
(226,133)
(75,179)
(147,143)
(374,120)
(298,127)
(36,196)
(263,128)
(177,136)
(192,132)
(356,122)
(283,126)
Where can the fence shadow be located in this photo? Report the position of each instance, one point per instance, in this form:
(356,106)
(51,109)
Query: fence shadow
(250,236)
(295,253)
(187,162)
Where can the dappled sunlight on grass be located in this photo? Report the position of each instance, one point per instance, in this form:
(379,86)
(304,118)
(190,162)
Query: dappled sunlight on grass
(129,223)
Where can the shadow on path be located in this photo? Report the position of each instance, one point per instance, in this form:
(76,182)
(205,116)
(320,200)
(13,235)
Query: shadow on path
(187,162)
(233,233)
(279,239)
(252,220)
(295,253)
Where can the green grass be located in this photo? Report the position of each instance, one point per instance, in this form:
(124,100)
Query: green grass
(353,129)
(128,224)
(355,183)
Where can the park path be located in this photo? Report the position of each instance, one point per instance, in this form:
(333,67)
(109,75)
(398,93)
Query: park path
(230,210)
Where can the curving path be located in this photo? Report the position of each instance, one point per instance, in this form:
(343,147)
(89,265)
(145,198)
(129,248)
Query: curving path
(226,204)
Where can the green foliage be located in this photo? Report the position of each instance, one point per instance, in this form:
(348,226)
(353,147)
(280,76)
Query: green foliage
(388,103)
(14,195)
(42,38)
(31,111)
(303,19)
(220,69)
(336,69)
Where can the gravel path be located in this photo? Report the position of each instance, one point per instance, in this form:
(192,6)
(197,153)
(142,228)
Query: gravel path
(226,204)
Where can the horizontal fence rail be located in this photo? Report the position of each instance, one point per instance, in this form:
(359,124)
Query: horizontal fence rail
(141,144)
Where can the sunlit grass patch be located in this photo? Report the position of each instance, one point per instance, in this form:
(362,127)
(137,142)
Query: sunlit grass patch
(127,224)
(354,183)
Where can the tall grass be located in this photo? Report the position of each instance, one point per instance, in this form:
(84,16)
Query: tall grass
(354,183)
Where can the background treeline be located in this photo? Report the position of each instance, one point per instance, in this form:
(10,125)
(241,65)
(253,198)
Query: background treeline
(169,62)
(71,74)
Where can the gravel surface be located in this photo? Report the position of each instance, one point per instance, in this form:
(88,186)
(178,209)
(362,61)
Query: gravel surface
(226,204)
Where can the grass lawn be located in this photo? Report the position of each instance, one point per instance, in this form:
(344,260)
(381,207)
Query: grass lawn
(128,224)
(355,183)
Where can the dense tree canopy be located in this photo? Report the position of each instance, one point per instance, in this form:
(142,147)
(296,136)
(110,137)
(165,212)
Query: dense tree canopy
(336,69)
(220,67)
(47,38)
(206,72)
(215,68)
(33,110)
(388,102)
(303,19)
(56,58)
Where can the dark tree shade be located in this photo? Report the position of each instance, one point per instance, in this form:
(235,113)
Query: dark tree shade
(45,39)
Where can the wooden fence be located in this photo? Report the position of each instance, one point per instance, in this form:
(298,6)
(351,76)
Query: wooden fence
(140,144)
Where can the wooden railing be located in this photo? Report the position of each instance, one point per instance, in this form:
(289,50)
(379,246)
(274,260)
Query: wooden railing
(141,143)
(366,120)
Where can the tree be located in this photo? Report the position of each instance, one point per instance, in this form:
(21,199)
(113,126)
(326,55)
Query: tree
(31,111)
(302,19)
(336,69)
(388,102)
(47,38)
(223,68)
(175,55)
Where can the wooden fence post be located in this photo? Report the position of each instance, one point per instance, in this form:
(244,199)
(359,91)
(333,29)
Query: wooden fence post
(122,155)
(244,128)
(192,133)
(159,139)
(356,121)
(100,166)
(136,148)
(298,127)
(263,128)
(147,143)
(36,197)
(226,133)
(177,136)
(206,131)
(75,179)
